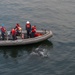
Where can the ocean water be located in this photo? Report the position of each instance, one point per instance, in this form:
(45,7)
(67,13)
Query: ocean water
(55,56)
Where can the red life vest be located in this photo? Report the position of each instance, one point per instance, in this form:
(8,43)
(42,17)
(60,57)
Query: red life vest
(13,32)
(3,29)
(33,29)
(28,25)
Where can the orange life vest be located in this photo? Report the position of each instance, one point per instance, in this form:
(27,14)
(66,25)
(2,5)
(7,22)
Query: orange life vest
(28,25)
(13,32)
(33,29)
(3,29)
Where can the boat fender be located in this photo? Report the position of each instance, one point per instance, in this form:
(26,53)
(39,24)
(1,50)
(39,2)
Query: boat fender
(22,36)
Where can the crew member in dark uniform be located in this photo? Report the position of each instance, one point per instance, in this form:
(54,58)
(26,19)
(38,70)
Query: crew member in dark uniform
(28,28)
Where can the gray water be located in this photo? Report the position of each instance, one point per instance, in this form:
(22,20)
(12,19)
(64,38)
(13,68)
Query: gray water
(55,15)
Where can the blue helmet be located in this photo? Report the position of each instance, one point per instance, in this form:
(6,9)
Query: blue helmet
(2,25)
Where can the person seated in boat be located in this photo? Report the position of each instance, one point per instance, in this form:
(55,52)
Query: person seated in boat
(28,28)
(33,31)
(13,33)
(3,32)
(18,29)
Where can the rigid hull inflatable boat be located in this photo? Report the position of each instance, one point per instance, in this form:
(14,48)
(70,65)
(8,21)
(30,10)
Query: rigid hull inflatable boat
(24,41)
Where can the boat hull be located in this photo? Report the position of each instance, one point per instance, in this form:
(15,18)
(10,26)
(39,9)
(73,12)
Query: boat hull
(46,35)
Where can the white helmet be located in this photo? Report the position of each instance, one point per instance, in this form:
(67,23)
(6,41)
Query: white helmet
(27,22)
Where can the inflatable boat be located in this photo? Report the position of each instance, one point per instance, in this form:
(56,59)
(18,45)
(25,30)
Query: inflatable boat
(45,34)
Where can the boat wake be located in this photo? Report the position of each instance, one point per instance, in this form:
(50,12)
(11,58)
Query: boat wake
(40,52)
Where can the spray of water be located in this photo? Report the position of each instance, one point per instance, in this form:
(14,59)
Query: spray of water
(40,52)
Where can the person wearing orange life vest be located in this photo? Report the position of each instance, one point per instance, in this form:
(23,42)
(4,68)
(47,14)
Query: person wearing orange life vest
(18,29)
(33,31)
(28,29)
(17,25)
(13,33)
(3,32)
